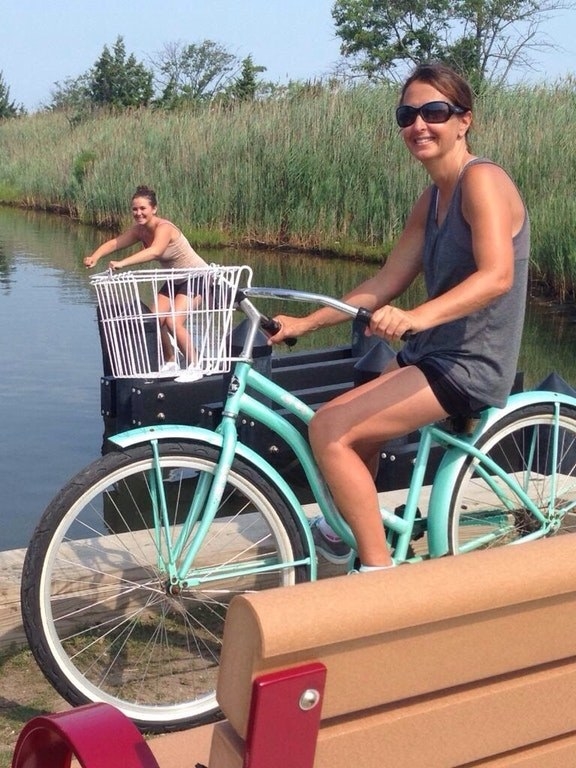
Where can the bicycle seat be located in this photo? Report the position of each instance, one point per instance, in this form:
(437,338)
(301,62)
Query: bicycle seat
(462,425)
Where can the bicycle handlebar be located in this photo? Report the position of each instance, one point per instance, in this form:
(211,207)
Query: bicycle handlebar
(271,327)
(310,298)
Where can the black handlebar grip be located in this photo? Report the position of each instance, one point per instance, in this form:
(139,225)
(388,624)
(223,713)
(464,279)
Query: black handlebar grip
(271,327)
(364,316)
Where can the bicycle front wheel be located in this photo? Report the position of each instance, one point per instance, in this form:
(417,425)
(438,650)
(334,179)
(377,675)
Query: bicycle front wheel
(536,448)
(105,616)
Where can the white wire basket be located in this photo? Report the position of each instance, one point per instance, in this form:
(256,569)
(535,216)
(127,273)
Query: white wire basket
(190,338)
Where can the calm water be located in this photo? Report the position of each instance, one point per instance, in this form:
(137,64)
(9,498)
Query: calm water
(51,363)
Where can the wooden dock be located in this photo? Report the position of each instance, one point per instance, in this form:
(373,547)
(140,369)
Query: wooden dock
(11,561)
(11,629)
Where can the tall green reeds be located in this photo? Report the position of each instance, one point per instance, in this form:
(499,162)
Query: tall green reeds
(529,131)
(323,170)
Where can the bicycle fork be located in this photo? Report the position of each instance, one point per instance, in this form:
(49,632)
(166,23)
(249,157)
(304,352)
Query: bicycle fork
(177,554)
(175,557)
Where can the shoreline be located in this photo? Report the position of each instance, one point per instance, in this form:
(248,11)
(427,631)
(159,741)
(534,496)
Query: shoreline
(11,627)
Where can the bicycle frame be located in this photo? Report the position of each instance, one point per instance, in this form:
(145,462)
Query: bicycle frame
(458,448)
(461,447)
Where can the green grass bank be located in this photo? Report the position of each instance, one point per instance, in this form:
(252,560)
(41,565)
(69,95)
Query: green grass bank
(322,171)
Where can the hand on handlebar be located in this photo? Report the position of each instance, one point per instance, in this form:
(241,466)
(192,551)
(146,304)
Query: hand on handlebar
(391,323)
(287,329)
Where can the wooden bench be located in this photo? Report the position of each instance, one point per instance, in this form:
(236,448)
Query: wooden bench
(467,661)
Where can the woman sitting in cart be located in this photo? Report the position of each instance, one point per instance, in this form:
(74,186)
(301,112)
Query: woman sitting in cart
(161,241)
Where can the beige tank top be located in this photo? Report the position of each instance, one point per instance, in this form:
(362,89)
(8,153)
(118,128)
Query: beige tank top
(180,254)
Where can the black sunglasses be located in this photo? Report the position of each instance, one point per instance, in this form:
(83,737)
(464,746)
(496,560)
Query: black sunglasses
(432,112)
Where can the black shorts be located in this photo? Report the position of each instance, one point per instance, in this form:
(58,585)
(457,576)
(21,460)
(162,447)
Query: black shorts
(179,287)
(451,398)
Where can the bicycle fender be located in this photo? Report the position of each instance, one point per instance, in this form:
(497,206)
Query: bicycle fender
(454,458)
(166,432)
(142,435)
(520,400)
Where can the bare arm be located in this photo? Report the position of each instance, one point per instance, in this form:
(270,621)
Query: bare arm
(401,267)
(162,236)
(494,210)
(130,237)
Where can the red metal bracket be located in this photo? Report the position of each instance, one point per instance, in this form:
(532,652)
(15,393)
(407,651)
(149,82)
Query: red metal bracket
(285,717)
(97,735)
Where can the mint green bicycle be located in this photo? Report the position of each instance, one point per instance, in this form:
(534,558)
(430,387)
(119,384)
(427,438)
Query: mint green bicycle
(129,575)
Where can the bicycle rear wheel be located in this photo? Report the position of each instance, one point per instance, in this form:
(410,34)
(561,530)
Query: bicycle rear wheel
(101,615)
(483,510)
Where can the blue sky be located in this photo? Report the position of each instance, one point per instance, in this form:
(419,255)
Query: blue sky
(45,42)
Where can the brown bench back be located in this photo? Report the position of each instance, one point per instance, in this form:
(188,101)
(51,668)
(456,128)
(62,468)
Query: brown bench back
(443,663)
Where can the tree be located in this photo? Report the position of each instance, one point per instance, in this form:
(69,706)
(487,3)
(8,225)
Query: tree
(72,94)
(483,39)
(8,108)
(120,81)
(193,72)
(245,86)
(116,80)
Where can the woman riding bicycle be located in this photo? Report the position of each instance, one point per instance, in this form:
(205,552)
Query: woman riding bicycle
(469,234)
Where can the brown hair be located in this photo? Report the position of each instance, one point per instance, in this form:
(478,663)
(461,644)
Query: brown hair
(148,193)
(445,80)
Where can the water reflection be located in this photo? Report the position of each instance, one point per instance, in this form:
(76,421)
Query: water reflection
(51,359)
(548,341)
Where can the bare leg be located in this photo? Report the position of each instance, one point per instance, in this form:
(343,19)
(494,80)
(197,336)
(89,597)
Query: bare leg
(179,329)
(346,434)
(162,308)
(174,322)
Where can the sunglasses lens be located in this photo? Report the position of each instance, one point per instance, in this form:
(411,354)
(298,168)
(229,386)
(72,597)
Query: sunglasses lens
(405,115)
(432,112)
(436,112)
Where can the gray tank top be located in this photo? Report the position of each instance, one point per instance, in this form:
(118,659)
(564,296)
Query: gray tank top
(478,353)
